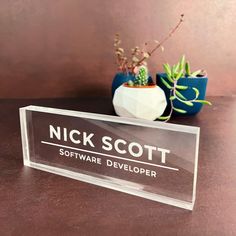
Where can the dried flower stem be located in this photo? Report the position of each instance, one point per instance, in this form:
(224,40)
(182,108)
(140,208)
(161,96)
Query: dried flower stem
(162,41)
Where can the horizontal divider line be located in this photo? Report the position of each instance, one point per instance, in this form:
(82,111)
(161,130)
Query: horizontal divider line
(108,155)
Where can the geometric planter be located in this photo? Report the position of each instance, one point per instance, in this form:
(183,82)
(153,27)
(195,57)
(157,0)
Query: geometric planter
(143,102)
(197,82)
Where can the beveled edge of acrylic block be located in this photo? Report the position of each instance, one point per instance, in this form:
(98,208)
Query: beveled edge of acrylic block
(91,179)
(24,136)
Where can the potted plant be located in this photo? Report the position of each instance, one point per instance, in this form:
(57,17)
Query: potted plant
(138,57)
(139,98)
(185,90)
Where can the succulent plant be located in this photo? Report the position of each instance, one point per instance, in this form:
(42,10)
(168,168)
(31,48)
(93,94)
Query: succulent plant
(174,73)
(141,77)
(182,68)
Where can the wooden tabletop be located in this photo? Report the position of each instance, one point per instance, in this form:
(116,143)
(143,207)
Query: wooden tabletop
(34,202)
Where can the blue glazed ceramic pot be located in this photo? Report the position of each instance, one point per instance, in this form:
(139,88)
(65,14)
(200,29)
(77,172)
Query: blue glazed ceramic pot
(121,78)
(198,82)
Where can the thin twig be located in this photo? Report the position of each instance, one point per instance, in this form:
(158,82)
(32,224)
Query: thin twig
(162,41)
(171,109)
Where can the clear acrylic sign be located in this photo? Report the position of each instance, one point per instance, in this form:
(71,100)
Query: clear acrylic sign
(153,160)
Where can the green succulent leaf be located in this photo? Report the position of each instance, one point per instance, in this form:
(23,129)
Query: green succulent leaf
(167,69)
(181,87)
(173,71)
(165,83)
(176,69)
(182,62)
(179,75)
(187,68)
(180,95)
(195,73)
(173,68)
(204,102)
(196,92)
(170,79)
(172,98)
(163,117)
(179,110)
(188,103)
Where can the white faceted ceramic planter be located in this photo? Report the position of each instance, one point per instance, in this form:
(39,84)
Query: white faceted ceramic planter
(148,102)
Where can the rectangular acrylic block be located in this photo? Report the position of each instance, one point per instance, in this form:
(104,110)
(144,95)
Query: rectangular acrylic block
(150,159)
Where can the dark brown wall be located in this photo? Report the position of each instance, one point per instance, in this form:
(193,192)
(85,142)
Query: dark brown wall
(57,48)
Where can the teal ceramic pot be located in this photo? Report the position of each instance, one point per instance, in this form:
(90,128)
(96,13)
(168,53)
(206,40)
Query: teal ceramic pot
(121,78)
(198,82)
